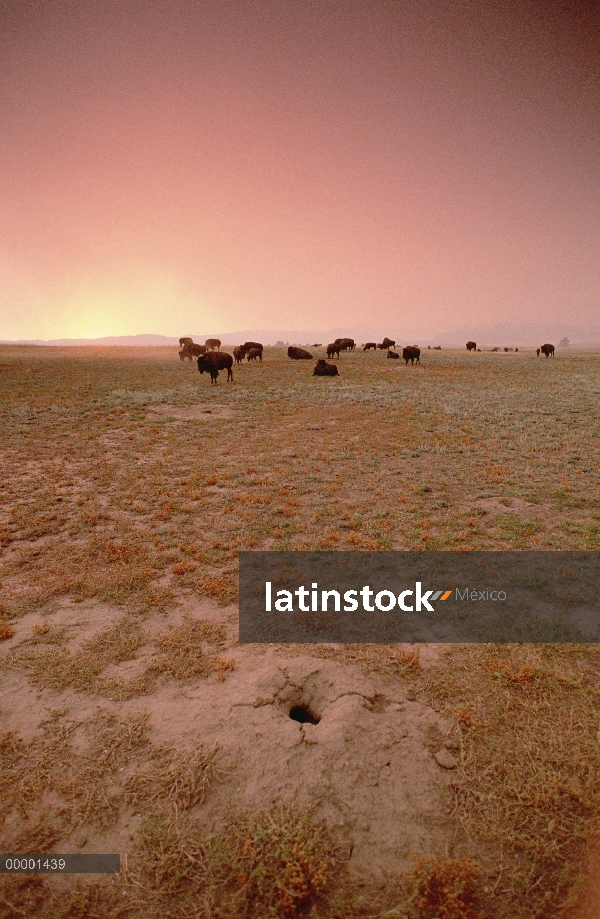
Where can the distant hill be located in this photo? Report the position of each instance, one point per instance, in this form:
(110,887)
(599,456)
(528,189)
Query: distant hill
(501,334)
(521,334)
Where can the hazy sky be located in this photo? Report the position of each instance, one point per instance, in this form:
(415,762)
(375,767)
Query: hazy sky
(178,166)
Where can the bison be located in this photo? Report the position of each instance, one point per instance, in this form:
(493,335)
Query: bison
(298,354)
(185,341)
(394,355)
(191,350)
(332,349)
(238,355)
(254,354)
(213,361)
(538,351)
(323,369)
(437,347)
(249,345)
(346,344)
(386,344)
(471,346)
(548,350)
(213,344)
(412,354)
(369,345)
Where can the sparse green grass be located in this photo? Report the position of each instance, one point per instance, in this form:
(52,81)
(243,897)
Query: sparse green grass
(103,499)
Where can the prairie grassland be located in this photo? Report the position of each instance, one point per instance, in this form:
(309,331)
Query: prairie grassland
(129,484)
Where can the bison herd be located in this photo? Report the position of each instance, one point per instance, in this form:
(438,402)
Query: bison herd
(211,359)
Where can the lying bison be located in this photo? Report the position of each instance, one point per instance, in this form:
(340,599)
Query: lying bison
(471,346)
(332,349)
(213,344)
(254,354)
(412,354)
(394,355)
(191,350)
(369,345)
(298,354)
(213,361)
(323,369)
(548,350)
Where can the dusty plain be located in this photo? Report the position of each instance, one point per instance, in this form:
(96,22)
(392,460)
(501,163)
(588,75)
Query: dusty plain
(439,782)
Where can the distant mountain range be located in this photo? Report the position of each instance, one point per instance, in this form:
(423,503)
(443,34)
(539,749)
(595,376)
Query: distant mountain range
(499,334)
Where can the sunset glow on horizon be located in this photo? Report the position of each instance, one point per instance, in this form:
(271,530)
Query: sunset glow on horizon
(203,166)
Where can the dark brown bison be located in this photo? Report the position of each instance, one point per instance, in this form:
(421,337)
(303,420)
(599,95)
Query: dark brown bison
(495,349)
(213,344)
(185,341)
(213,361)
(386,343)
(298,354)
(332,349)
(369,345)
(548,350)
(538,351)
(249,345)
(323,369)
(394,355)
(437,348)
(254,354)
(412,354)
(238,355)
(471,346)
(191,350)
(346,344)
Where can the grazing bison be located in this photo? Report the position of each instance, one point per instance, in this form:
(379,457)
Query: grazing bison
(394,355)
(298,354)
(249,345)
(185,341)
(191,350)
(386,344)
(495,349)
(346,344)
(332,349)
(412,354)
(213,361)
(254,354)
(369,345)
(437,348)
(238,355)
(548,350)
(323,369)
(471,346)
(213,344)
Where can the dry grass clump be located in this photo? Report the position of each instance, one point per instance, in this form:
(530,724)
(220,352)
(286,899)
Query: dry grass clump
(443,889)
(385,659)
(59,668)
(278,863)
(171,778)
(527,782)
(6,631)
(28,896)
(189,650)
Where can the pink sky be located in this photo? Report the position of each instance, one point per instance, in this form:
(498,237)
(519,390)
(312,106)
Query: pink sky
(192,166)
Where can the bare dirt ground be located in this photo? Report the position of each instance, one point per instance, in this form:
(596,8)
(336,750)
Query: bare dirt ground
(432,781)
